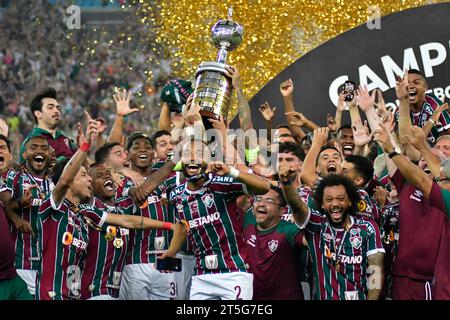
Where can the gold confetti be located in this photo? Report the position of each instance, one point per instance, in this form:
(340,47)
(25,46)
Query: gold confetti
(276,33)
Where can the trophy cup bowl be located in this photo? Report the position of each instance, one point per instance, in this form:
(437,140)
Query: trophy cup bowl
(213,88)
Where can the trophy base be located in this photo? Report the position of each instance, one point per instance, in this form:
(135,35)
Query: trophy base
(209,115)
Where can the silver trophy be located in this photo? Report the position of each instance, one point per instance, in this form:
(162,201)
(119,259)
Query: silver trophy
(213,89)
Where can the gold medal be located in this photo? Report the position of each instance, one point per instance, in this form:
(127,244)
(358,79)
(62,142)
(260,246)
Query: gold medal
(118,243)
(391,236)
(362,206)
(328,252)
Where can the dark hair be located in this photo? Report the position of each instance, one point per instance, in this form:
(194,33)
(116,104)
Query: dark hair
(415,71)
(345,126)
(103,152)
(326,147)
(332,180)
(283,126)
(36,102)
(8,144)
(26,142)
(280,194)
(363,166)
(292,147)
(136,135)
(156,135)
(58,168)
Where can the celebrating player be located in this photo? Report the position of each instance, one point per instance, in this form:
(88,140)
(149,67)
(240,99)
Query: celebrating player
(347,253)
(206,204)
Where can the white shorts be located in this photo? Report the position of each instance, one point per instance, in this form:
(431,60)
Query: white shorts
(184,278)
(29,276)
(103,297)
(143,282)
(222,286)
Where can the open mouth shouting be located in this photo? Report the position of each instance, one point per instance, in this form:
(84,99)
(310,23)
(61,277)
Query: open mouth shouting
(260,213)
(39,159)
(412,95)
(336,213)
(332,167)
(108,185)
(347,148)
(2,160)
(193,169)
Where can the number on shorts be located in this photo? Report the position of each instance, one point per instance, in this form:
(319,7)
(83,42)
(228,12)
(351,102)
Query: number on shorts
(173,287)
(238,289)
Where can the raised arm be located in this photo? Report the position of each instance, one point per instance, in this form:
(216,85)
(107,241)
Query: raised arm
(412,173)
(287,91)
(417,139)
(268,112)
(308,174)
(300,210)
(74,165)
(434,119)
(164,118)
(122,100)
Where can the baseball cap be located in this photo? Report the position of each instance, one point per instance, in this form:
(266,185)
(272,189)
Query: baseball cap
(135,136)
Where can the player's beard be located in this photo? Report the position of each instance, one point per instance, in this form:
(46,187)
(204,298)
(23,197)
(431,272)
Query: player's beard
(340,224)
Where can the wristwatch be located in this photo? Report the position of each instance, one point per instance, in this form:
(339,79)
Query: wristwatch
(394,153)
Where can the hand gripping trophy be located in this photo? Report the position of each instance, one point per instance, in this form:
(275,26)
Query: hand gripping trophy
(213,88)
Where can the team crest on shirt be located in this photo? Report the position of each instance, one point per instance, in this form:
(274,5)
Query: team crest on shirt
(116,278)
(327,237)
(273,245)
(159,243)
(208,200)
(356,241)
(355,231)
(362,205)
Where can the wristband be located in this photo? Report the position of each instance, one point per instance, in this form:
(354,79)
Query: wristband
(432,121)
(234,173)
(85,147)
(167,225)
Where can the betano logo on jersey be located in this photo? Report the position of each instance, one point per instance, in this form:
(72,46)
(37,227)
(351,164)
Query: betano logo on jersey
(348,259)
(68,239)
(198,222)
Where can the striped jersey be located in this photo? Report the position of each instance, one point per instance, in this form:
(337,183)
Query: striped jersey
(214,226)
(431,102)
(106,250)
(146,245)
(63,239)
(339,256)
(368,209)
(17,182)
(390,235)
